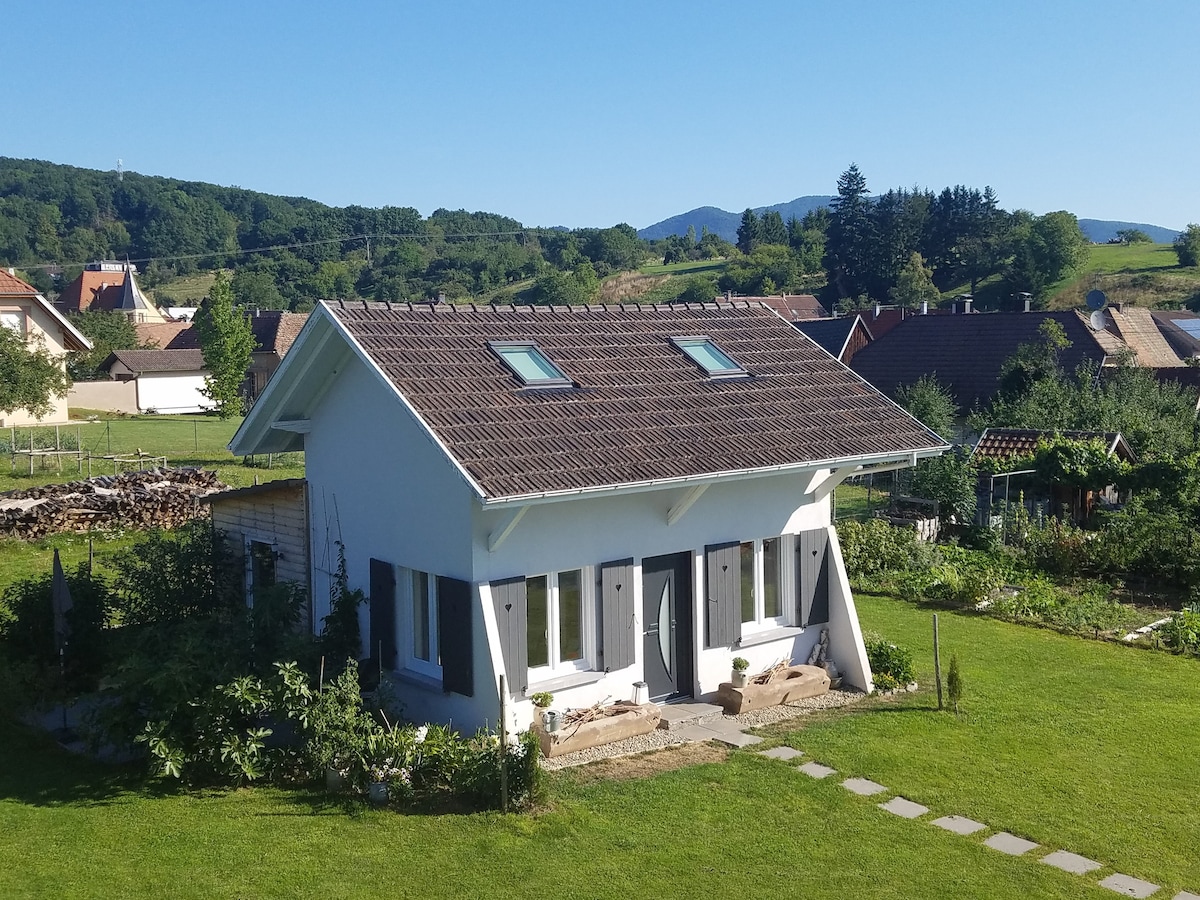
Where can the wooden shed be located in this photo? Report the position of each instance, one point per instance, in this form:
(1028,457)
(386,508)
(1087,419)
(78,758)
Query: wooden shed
(267,524)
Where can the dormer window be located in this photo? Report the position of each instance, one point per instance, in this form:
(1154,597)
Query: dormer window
(708,356)
(530,364)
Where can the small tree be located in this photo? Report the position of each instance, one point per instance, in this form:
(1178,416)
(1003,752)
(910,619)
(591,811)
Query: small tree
(30,376)
(931,402)
(914,284)
(954,683)
(1187,246)
(1133,236)
(227,342)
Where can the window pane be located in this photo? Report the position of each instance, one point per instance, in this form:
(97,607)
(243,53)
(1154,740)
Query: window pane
(708,356)
(748,582)
(537,600)
(570,615)
(530,364)
(420,615)
(772,578)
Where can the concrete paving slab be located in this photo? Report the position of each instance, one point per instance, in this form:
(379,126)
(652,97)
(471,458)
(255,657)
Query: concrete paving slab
(784,753)
(1128,886)
(1186,895)
(676,716)
(816,770)
(1010,844)
(863,787)
(737,738)
(959,824)
(1071,862)
(696,733)
(905,809)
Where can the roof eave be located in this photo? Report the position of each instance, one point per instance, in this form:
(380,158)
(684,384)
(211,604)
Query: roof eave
(910,457)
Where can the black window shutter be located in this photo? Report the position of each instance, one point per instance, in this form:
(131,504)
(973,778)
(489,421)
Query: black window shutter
(812,576)
(455,615)
(383,613)
(616,611)
(512,613)
(723,594)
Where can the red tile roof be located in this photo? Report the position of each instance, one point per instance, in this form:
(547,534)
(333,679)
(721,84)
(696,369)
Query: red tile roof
(1001,443)
(11,285)
(274,332)
(640,410)
(92,290)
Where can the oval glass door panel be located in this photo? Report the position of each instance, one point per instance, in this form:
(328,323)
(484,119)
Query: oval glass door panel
(664,628)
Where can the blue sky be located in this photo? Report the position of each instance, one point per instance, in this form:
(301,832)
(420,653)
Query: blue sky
(595,113)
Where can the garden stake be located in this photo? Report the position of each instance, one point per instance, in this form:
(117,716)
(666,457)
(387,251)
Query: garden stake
(937,662)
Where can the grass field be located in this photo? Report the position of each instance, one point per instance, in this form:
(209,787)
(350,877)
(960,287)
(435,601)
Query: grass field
(185,290)
(691,267)
(1075,744)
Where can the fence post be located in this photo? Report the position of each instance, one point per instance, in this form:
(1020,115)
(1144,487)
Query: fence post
(503,746)
(937,661)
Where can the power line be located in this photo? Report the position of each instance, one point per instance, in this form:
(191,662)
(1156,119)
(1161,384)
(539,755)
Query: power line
(297,244)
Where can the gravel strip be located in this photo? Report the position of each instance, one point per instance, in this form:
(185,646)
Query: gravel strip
(660,737)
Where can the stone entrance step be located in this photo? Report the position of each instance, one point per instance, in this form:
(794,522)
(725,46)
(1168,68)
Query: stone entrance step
(684,715)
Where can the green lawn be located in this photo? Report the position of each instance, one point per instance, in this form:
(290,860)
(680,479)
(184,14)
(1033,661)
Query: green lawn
(1076,744)
(689,267)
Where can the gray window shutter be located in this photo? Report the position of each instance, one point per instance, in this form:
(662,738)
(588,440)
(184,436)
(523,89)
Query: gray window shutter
(723,594)
(455,615)
(508,596)
(617,614)
(383,614)
(812,577)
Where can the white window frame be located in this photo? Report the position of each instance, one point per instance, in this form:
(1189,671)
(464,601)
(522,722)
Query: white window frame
(588,626)
(787,586)
(406,624)
(16,321)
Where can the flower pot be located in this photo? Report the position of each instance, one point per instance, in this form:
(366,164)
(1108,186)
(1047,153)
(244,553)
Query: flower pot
(740,679)
(377,793)
(335,781)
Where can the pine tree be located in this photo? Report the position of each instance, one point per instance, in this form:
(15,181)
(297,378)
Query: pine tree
(747,233)
(227,342)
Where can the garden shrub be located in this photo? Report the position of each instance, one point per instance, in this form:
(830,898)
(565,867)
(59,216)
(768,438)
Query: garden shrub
(874,548)
(1085,607)
(891,665)
(1182,632)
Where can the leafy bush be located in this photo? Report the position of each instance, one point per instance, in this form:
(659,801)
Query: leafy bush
(891,665)
(1182,632)
(874,548)
(1084,608)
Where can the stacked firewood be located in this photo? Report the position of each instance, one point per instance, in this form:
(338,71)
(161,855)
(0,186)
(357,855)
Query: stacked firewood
(769,674)
(151,498)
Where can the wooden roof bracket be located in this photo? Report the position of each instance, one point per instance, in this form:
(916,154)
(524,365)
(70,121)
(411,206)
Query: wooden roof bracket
(679,510)
(498,537)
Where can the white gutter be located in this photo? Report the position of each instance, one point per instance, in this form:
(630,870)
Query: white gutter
(902,460)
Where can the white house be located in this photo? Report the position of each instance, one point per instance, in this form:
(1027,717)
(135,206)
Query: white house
(167,381)
(579,498)
(26,312)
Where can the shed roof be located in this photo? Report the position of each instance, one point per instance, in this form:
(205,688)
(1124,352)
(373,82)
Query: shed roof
(639,411)
(1001,443)
(792,306)
(144,361)
(966,352)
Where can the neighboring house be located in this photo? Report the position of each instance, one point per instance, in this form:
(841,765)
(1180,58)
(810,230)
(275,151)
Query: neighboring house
(967,351)
(29,314)
(108,286)
(267,527)
(168,381)
(581,499)
(274,332)
(1018,444)
(1139,329)
(1181,329)
(841,338)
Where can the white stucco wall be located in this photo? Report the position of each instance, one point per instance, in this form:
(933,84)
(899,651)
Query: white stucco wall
(172,392)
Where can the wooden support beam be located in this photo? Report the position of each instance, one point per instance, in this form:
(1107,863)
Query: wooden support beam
(297,426)
(497,537)
(677,512)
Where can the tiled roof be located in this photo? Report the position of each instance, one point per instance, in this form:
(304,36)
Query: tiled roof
(92,290)
(1181,341)
(274,332)
(830,334)
(1001,443)
(641,411)
(966,352)
(140,361)
(12,286)
(1138,329)
(793,307)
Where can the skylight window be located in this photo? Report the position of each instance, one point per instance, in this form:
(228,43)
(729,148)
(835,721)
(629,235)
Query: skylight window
(530,364)
(708,356)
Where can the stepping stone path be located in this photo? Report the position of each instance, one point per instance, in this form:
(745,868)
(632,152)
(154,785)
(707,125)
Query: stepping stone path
(1010,844)
(1071,862)
(1186,895)
(816,770)
(784,753)
(1130,887)
(863,787)
(959,824)
(905,809)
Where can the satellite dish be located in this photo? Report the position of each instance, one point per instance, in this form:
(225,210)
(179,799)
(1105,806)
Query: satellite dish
(1095,300)
(1097,320)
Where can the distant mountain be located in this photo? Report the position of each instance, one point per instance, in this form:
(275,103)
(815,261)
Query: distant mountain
(725,224)
(1101,231)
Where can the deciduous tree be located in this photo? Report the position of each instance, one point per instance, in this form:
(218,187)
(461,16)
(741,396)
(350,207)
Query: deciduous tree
(1187,246)
(30,376)
(227,343)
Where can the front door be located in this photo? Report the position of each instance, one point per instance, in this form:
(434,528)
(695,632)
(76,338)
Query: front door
(667,614)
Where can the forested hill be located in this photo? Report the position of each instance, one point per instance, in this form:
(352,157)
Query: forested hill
(725,224)
(286,250)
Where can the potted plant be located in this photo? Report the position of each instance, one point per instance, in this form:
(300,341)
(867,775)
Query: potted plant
(541,703)
(740,675)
